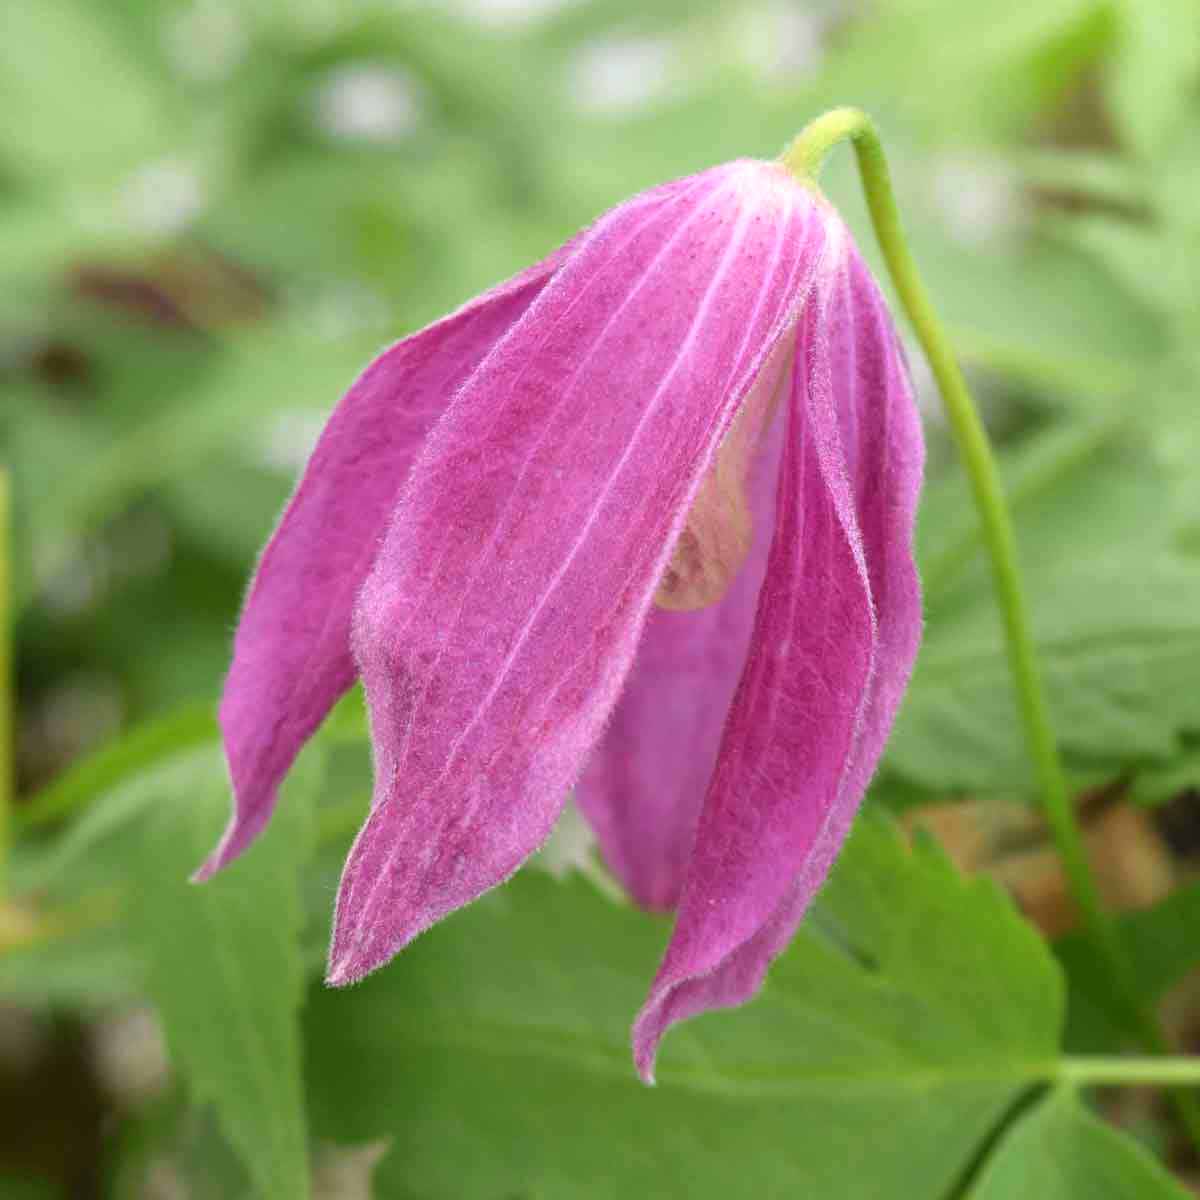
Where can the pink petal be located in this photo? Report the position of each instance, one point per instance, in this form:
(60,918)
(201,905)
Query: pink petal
(500,620)
(643,786)
(836,633)
(292,657)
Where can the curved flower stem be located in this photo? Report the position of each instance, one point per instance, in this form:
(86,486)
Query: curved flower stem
(804,158)
(1086,1071)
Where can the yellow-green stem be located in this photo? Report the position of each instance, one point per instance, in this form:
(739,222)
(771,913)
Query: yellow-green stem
(804,157)
(1128,1071)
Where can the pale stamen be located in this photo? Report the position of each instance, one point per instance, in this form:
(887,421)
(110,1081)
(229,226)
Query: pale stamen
(719,531)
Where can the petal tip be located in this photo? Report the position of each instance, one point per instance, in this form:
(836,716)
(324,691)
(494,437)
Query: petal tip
(205,871)
(223,853)
(349,962)
(647,1033)
(342,974)
(237,837)
(354,953)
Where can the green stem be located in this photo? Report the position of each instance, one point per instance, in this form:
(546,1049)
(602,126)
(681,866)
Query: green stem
(1129,1072)
(804,157)
(7,708)
(1067,452)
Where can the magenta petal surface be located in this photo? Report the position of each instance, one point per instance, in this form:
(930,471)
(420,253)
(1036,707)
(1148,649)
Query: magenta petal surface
(644,785)
(501,617)
(836,633)
(292,656)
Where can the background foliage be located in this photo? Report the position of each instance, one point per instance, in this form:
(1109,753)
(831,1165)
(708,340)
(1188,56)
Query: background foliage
(211,213)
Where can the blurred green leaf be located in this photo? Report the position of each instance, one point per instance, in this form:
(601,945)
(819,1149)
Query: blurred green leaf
(1087,486)
(93,849)
(585,19)
(87,106)
(172,1145)
(493,1055)
(1163,784)
(42,235)
(1103,178)
(289,368)
(1016,300)
(1156,69)
(1162,945)
(1047,315)
(224,963)
(1060,1151)
(133,752)
(88,969)
(1000,63)
(1116,616)
(13,1188)
(1120,650)
(1139,257)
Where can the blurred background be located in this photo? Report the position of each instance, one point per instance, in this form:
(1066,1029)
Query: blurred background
(213,212)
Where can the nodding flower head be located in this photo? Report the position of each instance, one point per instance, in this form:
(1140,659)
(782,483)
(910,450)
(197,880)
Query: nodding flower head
(637,522)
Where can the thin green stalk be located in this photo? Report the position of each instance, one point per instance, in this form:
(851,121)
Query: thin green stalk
(1069,452)
(1129,1072)
(804,157)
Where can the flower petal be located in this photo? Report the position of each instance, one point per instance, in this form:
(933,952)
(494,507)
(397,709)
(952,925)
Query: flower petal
(643,786)
(498,624)
(292,657)
(836,633)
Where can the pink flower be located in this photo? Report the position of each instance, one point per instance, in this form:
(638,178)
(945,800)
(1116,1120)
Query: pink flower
(638,521)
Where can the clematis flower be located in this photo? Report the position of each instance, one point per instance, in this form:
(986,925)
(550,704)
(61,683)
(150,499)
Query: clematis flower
(637,522)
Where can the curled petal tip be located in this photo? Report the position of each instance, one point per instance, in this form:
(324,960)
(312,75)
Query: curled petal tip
(219,857)
(644,1055)
(347,963)
(341,974)
(205,871)
(647,1033)
(244,826)
(354,955)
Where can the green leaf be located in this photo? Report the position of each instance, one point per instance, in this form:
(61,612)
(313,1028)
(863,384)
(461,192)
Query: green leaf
(24,1188)
(1059,1151)
(1087,485)
(74,122)
(224,962)
(1001,63)
(77,880)
(142,747)
(910,1011)
(1102,177)
(184,1143)
(1116,617)
(1120,650)
(1141,260)
(279,367)
(1156,68)
(89,969)
(1161,785)
(1046,314)
(1162,947)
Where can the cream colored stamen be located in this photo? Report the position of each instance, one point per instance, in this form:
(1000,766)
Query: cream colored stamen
(719,530)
